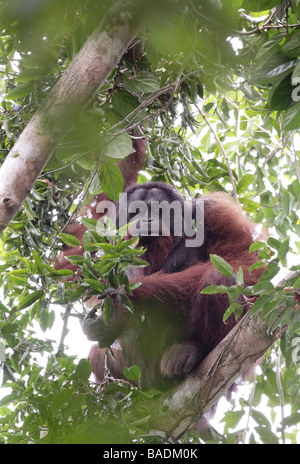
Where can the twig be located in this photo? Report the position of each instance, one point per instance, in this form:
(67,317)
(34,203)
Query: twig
(79,204)
(66,165)
(153,96)
(264,27)
(234,192)
(280,391)
(250,406)
(261,128)
(135,113)
(64,331)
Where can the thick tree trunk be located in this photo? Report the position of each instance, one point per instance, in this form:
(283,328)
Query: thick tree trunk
(77,86)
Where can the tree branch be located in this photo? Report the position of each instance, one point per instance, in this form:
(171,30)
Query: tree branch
(77,86)
(230,173)
(281,394)
(64,331)
(183,406)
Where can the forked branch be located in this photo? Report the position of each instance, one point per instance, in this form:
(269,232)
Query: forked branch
(182,407)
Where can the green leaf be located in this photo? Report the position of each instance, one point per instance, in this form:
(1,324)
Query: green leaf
(213,289)
(108,309)
(130,244)
(231,419)
(284,318)
(132,373)
(17,280)
(291,48)
(260,418)
(259,303)
(259,5)
(138,262)
(284,248)
(2,352)
(230,310)
(95,284)
(274,243)
(124,103)
(39,263)
(28,75)
(105,268)
(297,283)
(30,299)
(72,295)
(256,246)
(240,277)
(267,436)
(111,180)
(60,273)
(76,259)
(144,82)
(126,302)
(9,399)
(83,370)
(95,186)
(222,266)
(117,147)
(107,247)
(89,223)
(291,120)
(275,65)
(69,240)
(3,308)
(60,399)
(270,306)
(20,91)
(244,183)
(296,71)
(263,287)
(75,405)
(281,95)
(35,372)
(293,419)
(256,265)
(46,320)
(271,271)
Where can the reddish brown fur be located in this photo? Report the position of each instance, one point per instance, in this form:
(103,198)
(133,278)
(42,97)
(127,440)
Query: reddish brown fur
(174,325)
(177,315)
(229,234)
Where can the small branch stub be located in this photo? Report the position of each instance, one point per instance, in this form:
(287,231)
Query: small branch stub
(8,202)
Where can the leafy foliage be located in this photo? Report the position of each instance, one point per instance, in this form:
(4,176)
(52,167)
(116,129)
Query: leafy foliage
(216,86)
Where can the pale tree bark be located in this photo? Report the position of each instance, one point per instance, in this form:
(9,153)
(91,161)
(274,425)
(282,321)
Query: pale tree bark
(181,408)
(77,86)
